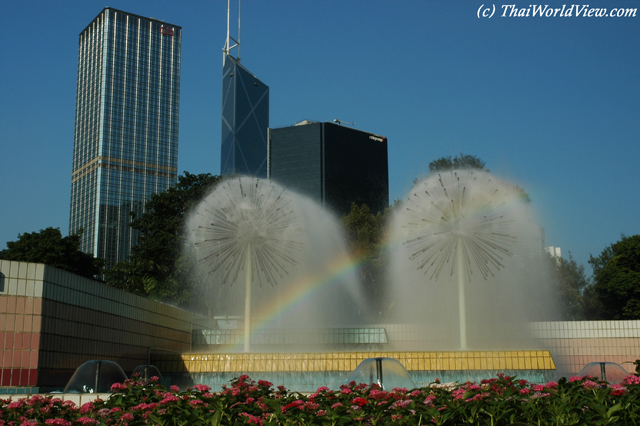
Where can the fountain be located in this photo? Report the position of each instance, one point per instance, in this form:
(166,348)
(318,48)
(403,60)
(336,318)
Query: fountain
(467,261)
(288,307)
(287,250)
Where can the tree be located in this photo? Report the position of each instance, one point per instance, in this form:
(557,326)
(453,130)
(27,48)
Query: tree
(49,247)
(571,287)
(157,266)
(463,161)
(616,275)
(458,162)
(363,229)
(365,237)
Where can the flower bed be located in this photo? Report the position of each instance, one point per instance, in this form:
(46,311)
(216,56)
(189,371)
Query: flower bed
(499,401)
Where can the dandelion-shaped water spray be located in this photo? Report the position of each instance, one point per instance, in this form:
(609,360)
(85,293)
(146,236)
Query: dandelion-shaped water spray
(458,223)
(252,225)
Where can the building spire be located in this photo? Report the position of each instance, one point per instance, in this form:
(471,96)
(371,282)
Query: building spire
(228,46)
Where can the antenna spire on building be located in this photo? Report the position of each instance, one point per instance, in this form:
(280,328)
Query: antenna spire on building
(228,46)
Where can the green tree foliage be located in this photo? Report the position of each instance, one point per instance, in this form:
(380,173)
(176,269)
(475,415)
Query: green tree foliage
(616,274)
(157,266)
(365,234)
(572,288)
(461,161)
(464,161)
(49,247)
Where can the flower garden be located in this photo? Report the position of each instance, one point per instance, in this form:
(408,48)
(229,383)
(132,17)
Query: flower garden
(498,401)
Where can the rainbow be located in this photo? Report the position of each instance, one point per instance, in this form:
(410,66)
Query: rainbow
(302,292)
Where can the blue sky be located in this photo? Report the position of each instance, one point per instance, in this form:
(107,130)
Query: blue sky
(552,104)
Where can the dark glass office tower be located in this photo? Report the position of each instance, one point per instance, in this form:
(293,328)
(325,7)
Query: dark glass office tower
(245,119)
(126,126)
(336,165)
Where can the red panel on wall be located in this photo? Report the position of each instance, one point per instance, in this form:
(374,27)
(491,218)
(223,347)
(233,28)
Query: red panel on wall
(15,376)
(24,377)
(33,377)
(6,377)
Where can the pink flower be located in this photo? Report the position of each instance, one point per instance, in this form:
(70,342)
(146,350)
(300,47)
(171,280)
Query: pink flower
(170,398)
(401,404)
(336,405)
(126,417)
(265,383)
(377,394)
(575,379)
(346,391)
(538,388)
(87,421)
(295,404)
(57,422)
(429,400)
(395,417)
(195,402)
(631,380)
(87,408)
(359,401)
(588,384)
(415,393)
(322,389)
(551,385)
(15,404)
(249,401)
(202,388)
(618,390)
(320,413)
(36,399)
(458,393)
(118,387)
(311,406)
(252,419)
(115,410)
(524,391)
(174,388)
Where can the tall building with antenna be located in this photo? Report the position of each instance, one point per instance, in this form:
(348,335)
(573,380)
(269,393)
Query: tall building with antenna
(126,127)
(245,113)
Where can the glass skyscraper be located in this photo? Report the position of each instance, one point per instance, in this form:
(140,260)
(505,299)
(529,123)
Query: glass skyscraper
(335,165)
(245,119)
(126,127)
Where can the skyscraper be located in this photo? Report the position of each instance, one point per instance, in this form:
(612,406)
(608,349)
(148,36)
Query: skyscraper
(335,165)
(126,126)
(245,114)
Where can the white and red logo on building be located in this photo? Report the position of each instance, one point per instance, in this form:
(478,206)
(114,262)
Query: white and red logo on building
(166,31)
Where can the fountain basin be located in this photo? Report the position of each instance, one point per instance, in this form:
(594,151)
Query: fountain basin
(305,372)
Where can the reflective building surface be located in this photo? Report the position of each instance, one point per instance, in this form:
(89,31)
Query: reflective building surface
(126,126)
(333,164)
(245,119)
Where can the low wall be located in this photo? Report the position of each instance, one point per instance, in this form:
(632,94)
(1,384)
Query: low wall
(52,321)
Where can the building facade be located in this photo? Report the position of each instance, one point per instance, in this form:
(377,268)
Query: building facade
(245,119)
(333,164)
(126,127)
